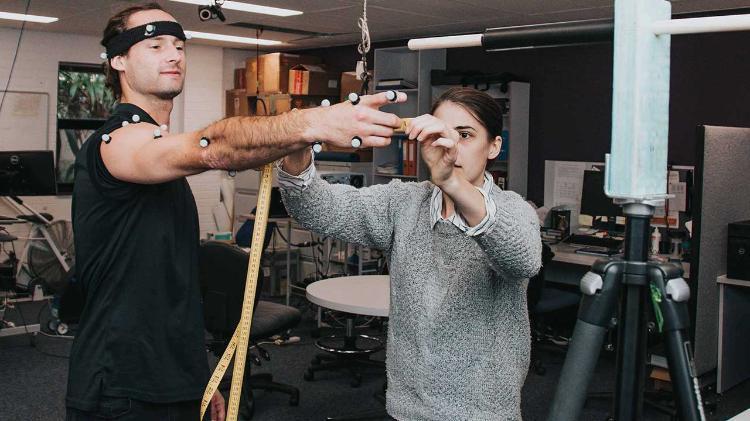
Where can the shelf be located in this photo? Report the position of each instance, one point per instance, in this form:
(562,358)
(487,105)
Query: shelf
(396,89)
(380,174)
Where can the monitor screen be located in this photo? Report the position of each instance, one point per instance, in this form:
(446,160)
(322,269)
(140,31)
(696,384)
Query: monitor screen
(27,173)
(593,200)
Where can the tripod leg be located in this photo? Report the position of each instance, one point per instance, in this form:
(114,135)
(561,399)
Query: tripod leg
(631,354)
(673,305)
(601,288)
(580,362)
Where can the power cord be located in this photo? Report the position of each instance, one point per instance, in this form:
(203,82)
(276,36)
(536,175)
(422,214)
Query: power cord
(304,244)
(15,56)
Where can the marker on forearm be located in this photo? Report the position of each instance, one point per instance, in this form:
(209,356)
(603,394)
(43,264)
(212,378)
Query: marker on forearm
(318,146)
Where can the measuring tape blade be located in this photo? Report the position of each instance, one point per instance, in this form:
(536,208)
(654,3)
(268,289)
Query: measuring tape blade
(238,344)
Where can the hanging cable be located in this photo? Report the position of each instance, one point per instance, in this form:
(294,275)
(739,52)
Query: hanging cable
(15,56)
(258,99)
(364,48)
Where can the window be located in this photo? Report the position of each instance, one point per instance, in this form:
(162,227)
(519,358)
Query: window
(84,102)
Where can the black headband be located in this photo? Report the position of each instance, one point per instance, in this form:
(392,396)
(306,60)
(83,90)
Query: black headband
(121,43)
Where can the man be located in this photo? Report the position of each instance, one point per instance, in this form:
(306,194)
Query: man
(139,353)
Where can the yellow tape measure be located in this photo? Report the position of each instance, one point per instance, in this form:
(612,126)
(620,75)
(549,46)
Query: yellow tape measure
(241,337)
(402,128)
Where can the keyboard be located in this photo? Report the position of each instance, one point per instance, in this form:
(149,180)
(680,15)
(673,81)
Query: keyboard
(597,251)
(590,240)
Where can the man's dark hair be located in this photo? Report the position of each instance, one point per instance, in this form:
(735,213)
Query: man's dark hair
(480,105)
(116,25)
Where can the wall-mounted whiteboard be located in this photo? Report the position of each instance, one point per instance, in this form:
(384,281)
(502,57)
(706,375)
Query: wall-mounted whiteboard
(24,121)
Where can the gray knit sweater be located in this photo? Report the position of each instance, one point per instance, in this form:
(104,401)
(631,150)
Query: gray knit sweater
(458,342)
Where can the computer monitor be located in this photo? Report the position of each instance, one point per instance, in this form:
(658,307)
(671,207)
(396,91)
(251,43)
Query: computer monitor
(27,173)
(593,200)
(276,208)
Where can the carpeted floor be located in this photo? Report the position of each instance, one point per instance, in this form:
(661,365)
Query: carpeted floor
(33,382)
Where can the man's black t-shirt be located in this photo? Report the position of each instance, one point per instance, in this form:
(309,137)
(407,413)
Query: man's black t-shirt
(141,332)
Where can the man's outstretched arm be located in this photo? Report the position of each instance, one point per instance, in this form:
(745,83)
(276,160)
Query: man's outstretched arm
(240,143)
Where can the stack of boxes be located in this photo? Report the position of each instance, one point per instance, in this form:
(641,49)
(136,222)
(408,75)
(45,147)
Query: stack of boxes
(276,83)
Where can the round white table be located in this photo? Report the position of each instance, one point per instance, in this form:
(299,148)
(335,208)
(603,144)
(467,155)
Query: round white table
(367,295)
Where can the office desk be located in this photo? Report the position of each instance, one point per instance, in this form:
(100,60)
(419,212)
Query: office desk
(288,222)
(734,333)
(568,267)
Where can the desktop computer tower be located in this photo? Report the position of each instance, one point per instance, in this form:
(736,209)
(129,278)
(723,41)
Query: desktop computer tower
(738,250)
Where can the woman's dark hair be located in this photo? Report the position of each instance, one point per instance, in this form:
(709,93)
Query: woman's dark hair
(480,105)
(116,25)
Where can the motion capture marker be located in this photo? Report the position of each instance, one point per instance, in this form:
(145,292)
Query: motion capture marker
(188,35)
(354,98)
(125,123)
(150,30)
(232,173)
(391,96)
(204,142)
(317,147)
(106,138)
(164,127)
(136,118)
(103,55)
(157,134)
(356,142)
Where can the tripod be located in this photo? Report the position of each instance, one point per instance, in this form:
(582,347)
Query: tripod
(629,284)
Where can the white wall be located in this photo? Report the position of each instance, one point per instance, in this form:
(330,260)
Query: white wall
(201,103)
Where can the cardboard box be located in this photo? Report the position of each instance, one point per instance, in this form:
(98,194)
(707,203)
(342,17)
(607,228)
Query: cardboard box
(274,104)
(350,83)
(271,71)
(237,103)
(239,79)
(311,79)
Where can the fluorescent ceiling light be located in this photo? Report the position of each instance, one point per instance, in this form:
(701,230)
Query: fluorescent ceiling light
(231,38)
(27,18)
(246,7)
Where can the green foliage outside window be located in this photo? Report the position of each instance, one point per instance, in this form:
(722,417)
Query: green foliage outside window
(84,102)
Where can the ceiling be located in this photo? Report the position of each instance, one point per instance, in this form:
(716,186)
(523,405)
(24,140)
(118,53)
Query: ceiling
(334,22)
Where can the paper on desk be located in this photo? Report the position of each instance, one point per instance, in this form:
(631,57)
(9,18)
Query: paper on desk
(568,183)
(677,203)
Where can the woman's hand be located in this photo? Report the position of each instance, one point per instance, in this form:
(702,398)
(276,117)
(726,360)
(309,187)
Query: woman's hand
(439,145)
(217,407)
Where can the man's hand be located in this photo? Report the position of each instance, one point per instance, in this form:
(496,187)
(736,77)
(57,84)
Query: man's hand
(339,123)
(439,146)
(218,411)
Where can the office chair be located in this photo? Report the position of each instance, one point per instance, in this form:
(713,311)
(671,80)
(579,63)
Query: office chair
(223,271)
(543,300)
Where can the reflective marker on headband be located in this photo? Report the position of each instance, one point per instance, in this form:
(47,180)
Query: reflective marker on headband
(121,43)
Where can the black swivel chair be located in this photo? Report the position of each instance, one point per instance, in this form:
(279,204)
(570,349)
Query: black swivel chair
(542,300)
(223,272)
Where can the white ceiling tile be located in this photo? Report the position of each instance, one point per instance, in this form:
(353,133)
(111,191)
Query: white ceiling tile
(388,19)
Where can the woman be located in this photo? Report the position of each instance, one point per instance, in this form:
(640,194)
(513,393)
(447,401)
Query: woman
(460,251)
